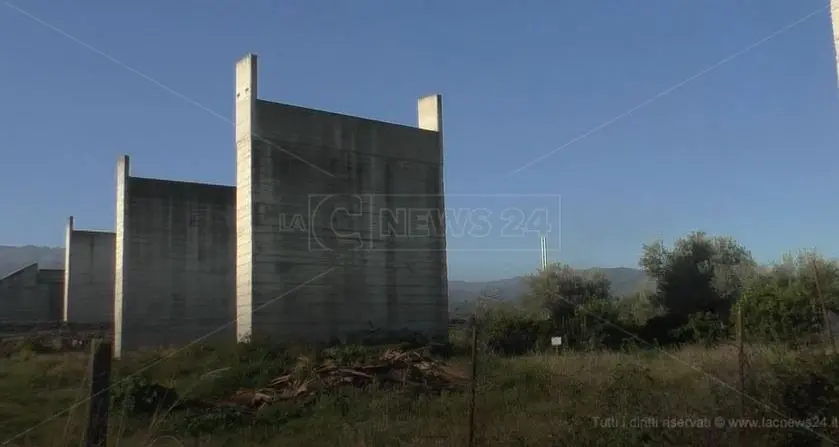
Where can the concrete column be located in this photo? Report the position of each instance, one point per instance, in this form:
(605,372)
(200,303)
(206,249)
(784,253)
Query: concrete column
(121,248)
(430,113)
(246,91)
(430,117)
(68,241)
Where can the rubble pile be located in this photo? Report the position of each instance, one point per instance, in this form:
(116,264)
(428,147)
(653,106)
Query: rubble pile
(394,369)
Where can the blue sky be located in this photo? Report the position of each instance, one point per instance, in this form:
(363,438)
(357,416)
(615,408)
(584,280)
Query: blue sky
(747,148)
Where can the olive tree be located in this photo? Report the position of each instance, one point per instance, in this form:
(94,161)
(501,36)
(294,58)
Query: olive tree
(699,274)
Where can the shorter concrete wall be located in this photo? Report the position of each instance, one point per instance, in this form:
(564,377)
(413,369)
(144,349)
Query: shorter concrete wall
(88,295)
(175,263)
(51,283)
(31,295)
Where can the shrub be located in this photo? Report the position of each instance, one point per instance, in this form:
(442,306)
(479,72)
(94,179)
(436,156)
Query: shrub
(805,387)
(507,333)
(139,395)
(705,328)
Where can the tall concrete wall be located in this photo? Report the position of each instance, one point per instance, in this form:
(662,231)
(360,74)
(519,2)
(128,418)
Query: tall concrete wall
(175,258)
(88,276)
(31,295)
(314,260)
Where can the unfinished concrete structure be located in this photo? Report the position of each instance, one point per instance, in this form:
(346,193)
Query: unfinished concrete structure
(88,275)
(31,295)
(314,259)
(174,262)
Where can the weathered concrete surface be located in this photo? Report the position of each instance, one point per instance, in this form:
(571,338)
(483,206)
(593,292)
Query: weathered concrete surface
(51,283)
(314,259)
(88,295)
(175,258)
(31,295)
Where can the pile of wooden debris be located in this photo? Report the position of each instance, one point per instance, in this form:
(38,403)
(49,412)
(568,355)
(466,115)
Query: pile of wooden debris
(409,371)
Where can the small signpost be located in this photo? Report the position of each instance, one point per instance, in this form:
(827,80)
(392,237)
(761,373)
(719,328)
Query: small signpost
(556,342)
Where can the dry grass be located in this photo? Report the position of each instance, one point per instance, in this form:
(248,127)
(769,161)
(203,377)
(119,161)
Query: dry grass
(538,400)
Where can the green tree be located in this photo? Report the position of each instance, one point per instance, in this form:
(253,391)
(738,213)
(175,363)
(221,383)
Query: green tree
(637,309)
(579,304)
(699,274)
(782,303)
(558,289)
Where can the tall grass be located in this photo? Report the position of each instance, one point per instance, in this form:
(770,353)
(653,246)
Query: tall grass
(535,400)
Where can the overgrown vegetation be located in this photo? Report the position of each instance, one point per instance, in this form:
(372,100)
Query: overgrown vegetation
(665,354)
(695,285)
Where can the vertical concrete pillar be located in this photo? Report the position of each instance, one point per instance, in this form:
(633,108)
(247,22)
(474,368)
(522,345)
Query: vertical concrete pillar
(68,242)
(246,85)
(430,117)
(121,269)
(430,113)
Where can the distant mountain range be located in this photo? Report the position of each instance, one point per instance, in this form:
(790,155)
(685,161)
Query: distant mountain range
(624,280)
(13,258)
(462,294)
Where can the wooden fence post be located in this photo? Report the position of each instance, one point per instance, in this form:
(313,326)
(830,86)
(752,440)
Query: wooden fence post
(741,366)
(473,381)
(100,381)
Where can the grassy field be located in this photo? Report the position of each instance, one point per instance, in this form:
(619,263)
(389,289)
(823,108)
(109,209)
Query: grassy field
(537,400)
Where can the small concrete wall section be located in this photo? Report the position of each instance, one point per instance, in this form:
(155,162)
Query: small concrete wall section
(51,283)
(88,276)
(175,262)
(31,295)
(339,272)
